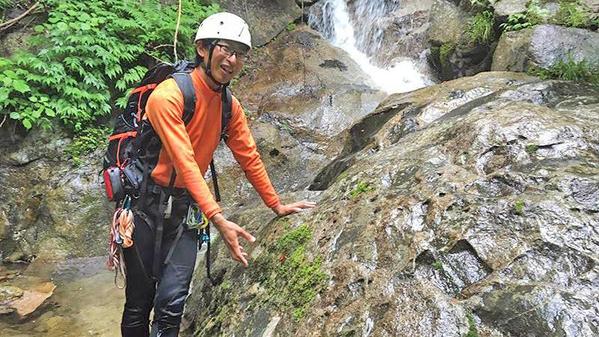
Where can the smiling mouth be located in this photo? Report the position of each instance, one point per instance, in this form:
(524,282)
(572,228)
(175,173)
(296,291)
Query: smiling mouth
(226,70)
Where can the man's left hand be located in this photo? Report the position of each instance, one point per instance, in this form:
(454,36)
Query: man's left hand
(282,210)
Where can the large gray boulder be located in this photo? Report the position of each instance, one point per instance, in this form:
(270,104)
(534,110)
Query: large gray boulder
(505,8)
(543,46)
(448,23)
(469,207)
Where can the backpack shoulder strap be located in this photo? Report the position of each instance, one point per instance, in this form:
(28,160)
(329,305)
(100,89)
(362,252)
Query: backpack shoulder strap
(227,111)
(185,84)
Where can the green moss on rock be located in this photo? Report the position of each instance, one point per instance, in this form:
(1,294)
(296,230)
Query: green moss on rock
(291,278)
(472,331)
(445,52)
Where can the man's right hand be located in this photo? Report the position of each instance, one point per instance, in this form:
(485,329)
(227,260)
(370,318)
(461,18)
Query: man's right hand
(230,232)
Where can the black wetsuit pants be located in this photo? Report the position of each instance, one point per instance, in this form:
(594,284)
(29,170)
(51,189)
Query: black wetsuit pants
(167,292)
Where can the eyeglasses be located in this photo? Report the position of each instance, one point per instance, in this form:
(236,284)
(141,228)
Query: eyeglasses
(228,52)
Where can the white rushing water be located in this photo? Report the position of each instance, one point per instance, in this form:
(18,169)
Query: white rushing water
(337,26)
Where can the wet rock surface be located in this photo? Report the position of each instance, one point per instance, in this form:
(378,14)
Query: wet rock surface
(505,8)
(300,94)
(452,53)
(50,208)
(266,18)
(471,207)
(543,46)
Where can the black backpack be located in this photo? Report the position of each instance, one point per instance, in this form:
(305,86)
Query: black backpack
(134,147)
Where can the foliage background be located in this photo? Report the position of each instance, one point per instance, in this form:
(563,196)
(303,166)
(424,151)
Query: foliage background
(88,54)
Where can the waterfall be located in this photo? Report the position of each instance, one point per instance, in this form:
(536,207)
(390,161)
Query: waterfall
(360,32)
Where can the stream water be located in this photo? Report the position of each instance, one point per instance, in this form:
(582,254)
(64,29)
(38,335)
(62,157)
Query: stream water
(363,36)
(84,303)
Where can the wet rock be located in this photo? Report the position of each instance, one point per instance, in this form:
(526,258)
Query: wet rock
(592,4)
(505,8)
(408,33)
(265,18)
(31,299)
(415,110)
(447,23)
(10,293)
(4,225)
(400,29)
(299,94)
(471,208)
(452,54)
(53,209)
(538,289)
(543,46)
(394,30)
(6,274)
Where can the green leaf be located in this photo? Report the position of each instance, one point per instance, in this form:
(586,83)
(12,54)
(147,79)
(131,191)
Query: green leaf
(21,86)
(39,29)
(37,113)
(27,124)
(33,98)
(4,95)
(62,26)
(15,115)
(10,74)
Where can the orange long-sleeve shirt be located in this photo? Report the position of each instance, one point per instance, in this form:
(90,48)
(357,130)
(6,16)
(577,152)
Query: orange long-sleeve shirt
(189,149)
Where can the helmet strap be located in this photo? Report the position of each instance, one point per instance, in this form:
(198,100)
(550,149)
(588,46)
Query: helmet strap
(208,64)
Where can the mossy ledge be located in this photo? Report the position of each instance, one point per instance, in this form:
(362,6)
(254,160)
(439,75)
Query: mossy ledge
(290,276)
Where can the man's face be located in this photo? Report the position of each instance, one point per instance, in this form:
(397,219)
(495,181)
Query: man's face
(227,59)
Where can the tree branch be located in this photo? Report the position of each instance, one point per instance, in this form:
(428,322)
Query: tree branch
(3,120)
(177,32)
(162,46)
(9,23)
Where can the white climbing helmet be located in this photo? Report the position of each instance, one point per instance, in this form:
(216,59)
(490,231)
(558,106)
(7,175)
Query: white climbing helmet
(225,26)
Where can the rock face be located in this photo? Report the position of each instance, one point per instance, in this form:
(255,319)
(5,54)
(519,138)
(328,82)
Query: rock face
(592,4)
(469,207)
(406,32)
(452,54)
(543,46)
(300,93)
(447,22)
(50,209)
(505,8)
(266,18)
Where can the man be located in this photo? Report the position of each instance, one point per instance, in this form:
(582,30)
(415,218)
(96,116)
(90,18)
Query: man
(222,43)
